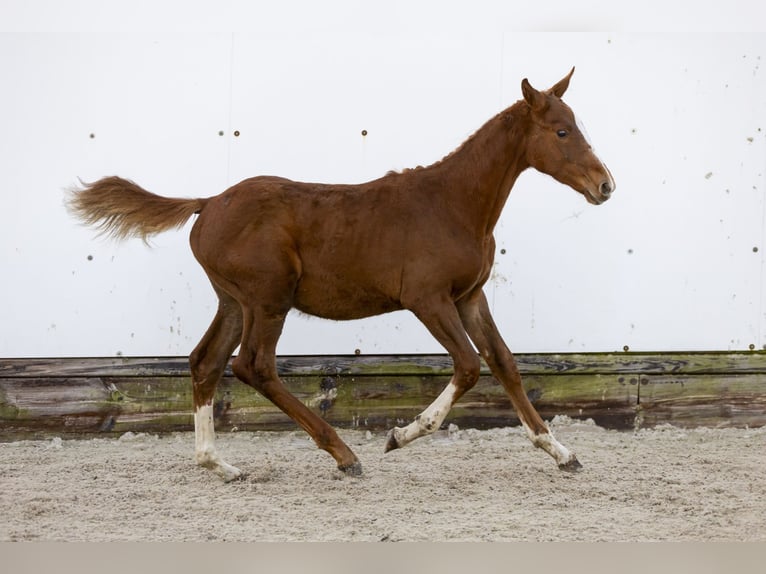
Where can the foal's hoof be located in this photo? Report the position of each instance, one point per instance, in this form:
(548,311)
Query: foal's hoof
(226,472)
(572,466)
(392,443)
(241,477)
(353,469)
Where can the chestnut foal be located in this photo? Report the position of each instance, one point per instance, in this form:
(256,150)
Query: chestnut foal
(420,240)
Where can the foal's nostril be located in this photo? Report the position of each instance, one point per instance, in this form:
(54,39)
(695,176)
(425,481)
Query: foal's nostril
(605,188)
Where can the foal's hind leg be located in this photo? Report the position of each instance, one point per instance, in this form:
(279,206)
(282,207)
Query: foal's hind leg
(208,362)
(481,328)
(256,365)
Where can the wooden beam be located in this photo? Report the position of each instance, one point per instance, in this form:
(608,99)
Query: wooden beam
(153,394)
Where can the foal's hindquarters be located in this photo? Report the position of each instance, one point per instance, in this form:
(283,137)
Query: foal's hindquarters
(255,278)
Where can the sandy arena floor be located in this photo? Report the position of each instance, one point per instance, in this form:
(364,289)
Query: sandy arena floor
(459,485)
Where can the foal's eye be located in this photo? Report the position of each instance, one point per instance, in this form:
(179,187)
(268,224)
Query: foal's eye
(562,133)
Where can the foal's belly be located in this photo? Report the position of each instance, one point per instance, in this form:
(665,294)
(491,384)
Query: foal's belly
(342,301)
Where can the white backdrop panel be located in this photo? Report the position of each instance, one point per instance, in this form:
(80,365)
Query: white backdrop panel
(674,261)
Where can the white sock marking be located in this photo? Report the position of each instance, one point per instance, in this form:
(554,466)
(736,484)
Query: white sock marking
(430,419)
(204,445)
(549,444)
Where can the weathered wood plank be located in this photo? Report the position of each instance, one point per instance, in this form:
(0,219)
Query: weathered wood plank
(94,367)
(115,403)
(702,400)
(353,365)
(154,394)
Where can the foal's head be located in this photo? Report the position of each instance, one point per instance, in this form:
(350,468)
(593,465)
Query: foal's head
(556,145)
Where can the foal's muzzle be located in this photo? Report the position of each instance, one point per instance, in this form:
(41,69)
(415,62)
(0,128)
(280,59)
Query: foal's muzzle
(605,189)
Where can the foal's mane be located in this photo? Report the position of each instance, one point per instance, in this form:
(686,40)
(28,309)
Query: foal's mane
(479,139)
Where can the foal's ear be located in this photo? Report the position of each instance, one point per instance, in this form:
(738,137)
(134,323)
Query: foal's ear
(562,85)
(534,98)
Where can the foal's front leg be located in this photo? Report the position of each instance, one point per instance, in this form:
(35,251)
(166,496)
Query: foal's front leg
(443,321)
(480,326)
(429,420)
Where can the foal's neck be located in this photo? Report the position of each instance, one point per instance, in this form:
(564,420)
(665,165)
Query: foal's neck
(480,173)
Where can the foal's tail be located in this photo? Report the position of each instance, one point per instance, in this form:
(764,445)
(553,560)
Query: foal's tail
(122,209)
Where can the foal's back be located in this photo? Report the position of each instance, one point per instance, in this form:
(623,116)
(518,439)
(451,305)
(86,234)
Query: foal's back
(338,250)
